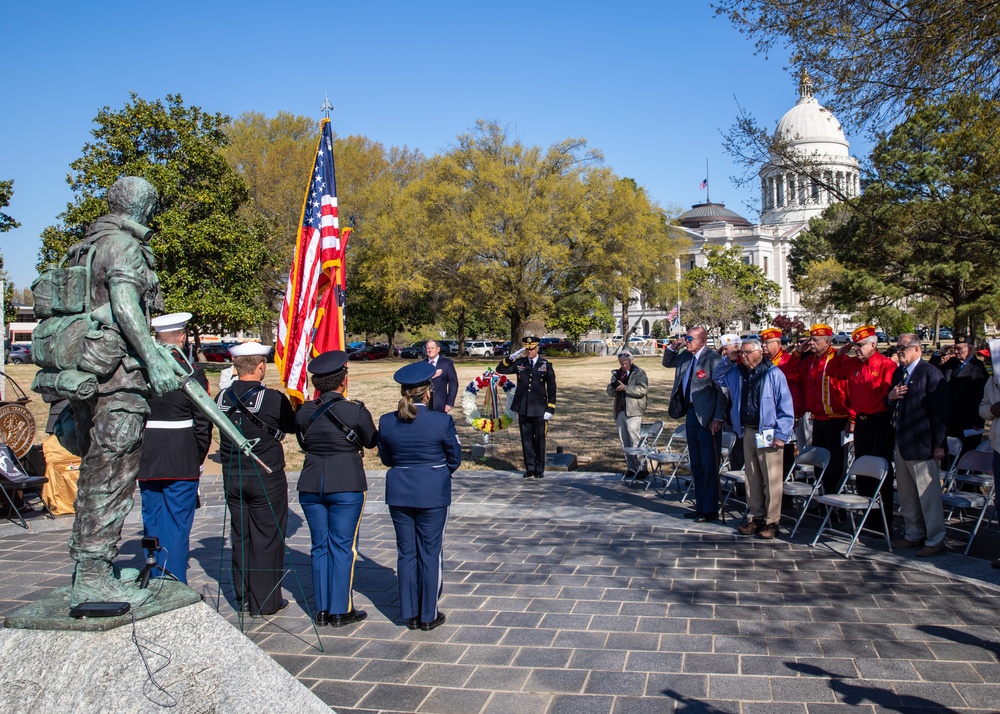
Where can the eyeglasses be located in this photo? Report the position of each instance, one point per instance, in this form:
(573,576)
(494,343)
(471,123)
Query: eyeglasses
(688,338)
(746,353)
(903,348)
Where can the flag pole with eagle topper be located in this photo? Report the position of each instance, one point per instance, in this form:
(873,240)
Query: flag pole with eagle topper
(312,314)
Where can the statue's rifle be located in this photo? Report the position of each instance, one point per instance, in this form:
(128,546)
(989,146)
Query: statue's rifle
(206,405)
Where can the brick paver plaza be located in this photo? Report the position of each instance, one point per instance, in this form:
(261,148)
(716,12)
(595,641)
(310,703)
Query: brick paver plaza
(577,594)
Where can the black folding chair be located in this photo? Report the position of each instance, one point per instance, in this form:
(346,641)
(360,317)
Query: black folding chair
(13,478)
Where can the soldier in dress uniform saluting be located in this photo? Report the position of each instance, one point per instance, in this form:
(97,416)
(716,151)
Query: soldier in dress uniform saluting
(174,446)
(534,401)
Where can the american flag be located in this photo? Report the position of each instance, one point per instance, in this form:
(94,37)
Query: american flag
(312,314)
(703,185)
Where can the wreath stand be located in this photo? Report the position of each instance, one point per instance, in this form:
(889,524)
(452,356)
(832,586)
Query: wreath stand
(493,418)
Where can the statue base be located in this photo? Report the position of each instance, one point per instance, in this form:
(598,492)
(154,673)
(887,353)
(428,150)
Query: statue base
(52,611)
(201,662)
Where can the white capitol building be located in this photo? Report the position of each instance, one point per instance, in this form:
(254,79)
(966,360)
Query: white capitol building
(788,201)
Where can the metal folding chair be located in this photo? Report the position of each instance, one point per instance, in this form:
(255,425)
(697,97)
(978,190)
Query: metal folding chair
(985,447)
(675,453)
(641,453)
(811,463)
(974,469)
(874,467)
(953,448)
(14,477)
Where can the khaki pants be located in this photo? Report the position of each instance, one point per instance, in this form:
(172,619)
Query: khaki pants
(919,486)
(628,432)
(764,470)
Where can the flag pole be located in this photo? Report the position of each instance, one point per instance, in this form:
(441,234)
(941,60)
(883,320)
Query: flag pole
(708,185)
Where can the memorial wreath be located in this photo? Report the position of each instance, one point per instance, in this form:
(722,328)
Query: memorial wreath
(496,419)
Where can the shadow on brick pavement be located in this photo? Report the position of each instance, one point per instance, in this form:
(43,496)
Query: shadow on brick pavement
(577,594)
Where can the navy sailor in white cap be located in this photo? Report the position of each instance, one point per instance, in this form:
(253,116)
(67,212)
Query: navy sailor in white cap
(258,502)
(174,446)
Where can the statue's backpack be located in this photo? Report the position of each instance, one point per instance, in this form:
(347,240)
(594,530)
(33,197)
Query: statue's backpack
(70,344)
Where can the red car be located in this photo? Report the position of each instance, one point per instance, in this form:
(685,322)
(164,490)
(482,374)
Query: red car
(216,352)
(370,353)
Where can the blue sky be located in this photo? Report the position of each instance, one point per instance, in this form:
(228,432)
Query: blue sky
(649,83)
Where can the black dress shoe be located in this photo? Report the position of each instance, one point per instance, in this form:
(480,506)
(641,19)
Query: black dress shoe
(693,514)
(348,618)
(436,622)
(322,618)
(282,606)
(527,474)
(539,474)
(413,623)
(707,518)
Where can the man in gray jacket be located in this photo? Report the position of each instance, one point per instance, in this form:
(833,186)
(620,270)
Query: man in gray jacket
(704,407)
(629,385)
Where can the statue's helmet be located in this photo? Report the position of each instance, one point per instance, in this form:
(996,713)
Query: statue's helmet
(133,196)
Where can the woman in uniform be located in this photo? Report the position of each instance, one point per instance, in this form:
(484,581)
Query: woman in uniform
(421,449)
(334,431)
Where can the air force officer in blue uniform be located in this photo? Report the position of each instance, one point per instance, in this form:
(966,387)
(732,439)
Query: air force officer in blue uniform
(333,431)
(421,449)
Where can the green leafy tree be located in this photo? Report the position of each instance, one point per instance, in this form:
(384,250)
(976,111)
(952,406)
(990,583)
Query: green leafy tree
(576,315)
(210,244)
(728,289)
(657,331)
(7,223)
(878,58)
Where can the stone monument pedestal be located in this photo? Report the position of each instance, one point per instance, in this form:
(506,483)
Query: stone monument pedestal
(560,461)
(201,661)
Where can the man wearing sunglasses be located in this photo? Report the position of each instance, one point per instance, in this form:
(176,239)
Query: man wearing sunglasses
(703,405)
(918,401)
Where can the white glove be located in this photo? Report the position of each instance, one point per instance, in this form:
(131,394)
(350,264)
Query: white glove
(515,355)
(547,416)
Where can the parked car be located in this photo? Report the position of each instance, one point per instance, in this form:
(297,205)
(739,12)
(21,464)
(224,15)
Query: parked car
(19,353)
(880,336)
(500,348)
(373,352)
(945,334)
(841,338)
(414,351)
(479,348)
(548,345)
(449,348)
(216,352)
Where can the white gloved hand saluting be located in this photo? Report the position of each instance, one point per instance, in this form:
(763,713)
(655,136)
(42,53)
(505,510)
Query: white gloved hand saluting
(547,416)
(515,355)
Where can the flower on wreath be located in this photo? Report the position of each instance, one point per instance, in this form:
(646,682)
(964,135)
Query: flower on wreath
(494,383)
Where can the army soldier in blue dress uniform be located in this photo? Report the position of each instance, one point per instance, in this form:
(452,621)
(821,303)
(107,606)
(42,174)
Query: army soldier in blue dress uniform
(421,449)
(258,502)
(334,431)
(174,446)
(534,401)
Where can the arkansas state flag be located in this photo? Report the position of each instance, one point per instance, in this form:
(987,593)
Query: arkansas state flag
(312,314)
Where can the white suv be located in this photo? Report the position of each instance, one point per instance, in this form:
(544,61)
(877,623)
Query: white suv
(479,348)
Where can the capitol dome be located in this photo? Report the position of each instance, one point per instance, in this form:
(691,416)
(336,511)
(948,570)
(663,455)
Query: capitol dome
(811,127)
(815,169)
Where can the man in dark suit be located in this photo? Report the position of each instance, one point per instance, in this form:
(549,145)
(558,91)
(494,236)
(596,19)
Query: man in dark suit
(695,365)
(966,377)
(918,400)
(534,401)
(445,379)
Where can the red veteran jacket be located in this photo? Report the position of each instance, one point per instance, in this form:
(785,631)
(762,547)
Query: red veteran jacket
(825,394)
(782,362)
(867,382)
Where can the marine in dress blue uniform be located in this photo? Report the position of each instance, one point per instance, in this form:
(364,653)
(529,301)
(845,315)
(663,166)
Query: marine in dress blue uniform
(333,431)
(422,450)
(534,401)
(258,502)
(174,446)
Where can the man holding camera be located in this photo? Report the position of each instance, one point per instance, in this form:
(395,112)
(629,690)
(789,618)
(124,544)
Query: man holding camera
(629,386)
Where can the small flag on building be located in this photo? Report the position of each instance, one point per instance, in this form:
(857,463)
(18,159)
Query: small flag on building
(703,185)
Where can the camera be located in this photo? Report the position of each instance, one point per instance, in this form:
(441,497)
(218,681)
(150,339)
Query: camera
(150,543)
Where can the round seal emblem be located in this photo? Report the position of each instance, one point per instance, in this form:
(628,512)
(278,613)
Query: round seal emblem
(17,428)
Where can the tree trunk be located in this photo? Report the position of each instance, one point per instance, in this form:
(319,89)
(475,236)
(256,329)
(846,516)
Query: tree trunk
(391,336)
(461,332)
(267,333)
(625,319)
(937,324)
(516,326)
